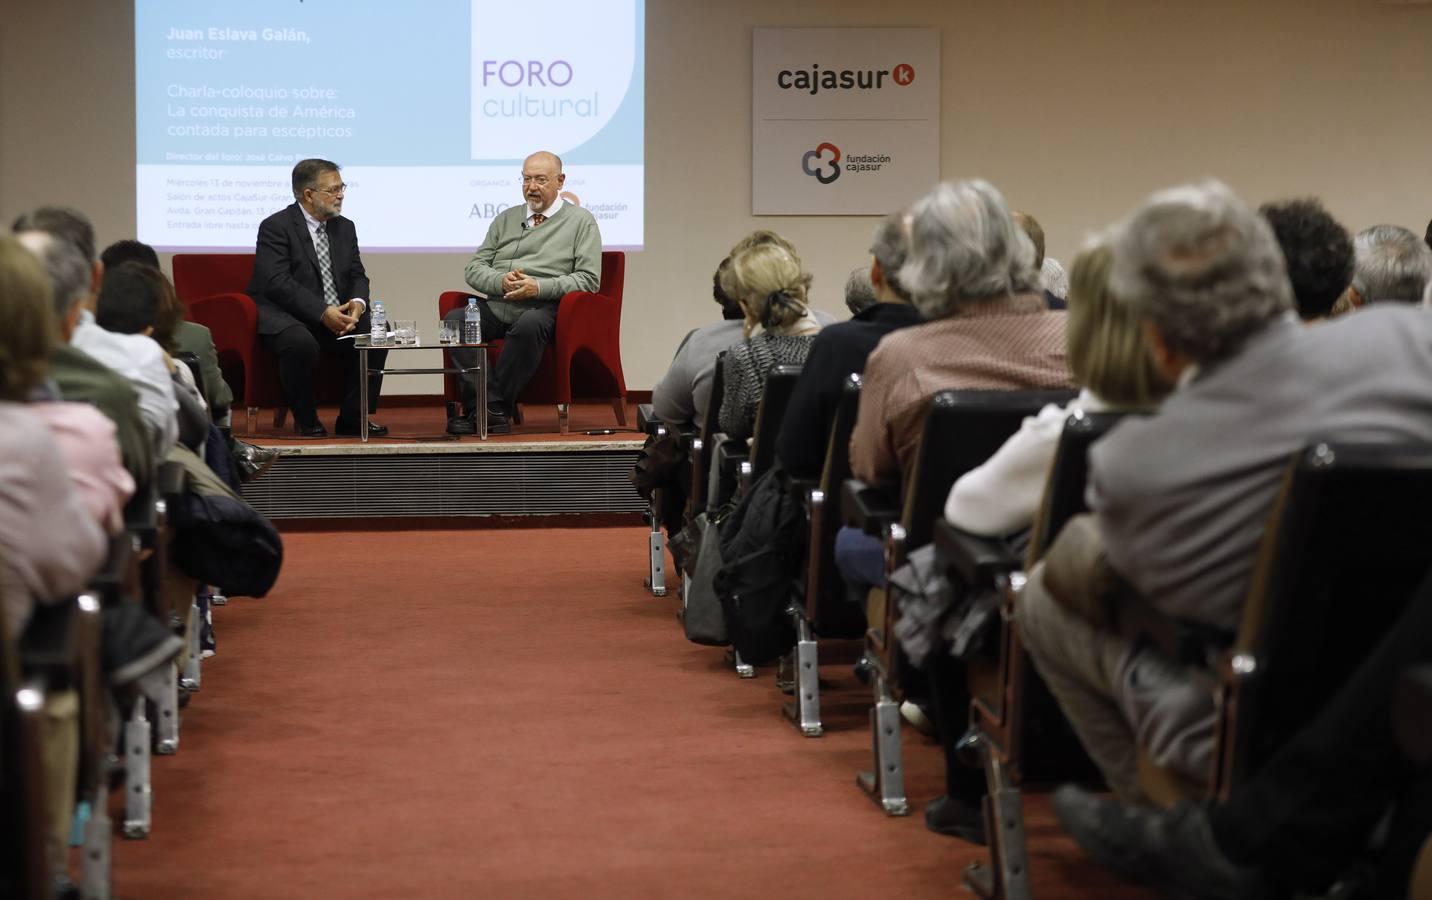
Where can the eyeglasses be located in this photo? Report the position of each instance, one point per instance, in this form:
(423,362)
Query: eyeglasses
(539,180)
(337,192)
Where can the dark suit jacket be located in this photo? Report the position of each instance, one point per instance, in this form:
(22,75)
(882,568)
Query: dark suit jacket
(286,285)
(838,351)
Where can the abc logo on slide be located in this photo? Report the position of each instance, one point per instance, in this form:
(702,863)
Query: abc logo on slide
(811,163)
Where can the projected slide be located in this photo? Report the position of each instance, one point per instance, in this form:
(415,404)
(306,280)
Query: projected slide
(429,108)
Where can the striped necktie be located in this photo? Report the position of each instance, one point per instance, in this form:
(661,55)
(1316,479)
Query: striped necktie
(325,264)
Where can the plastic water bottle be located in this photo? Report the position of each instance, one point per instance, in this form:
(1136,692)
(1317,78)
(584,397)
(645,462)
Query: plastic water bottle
(379,319)
(472,323)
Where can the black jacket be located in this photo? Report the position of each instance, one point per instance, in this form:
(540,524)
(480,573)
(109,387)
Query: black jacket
(286,286)
(839,351)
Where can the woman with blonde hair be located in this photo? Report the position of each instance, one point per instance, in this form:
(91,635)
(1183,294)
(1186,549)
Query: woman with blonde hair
(772,288)
(50,544)
(1114,370)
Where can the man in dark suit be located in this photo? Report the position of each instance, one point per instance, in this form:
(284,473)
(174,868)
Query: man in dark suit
(311,290)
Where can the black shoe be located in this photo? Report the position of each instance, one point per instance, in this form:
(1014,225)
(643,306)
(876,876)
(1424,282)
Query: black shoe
(955,818)
(133,644)
(1173,850)
(252,461)
(498,421)
(316,430)
(461,425)
(343,429)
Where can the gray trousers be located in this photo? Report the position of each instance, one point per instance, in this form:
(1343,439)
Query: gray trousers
(1117,697)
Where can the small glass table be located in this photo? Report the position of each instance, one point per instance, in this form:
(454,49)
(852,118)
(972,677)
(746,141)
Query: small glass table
(363,343)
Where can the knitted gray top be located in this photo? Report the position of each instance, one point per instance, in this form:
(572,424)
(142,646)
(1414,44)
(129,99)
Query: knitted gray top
(744,371)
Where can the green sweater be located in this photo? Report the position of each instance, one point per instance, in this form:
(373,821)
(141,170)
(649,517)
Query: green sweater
(564,254)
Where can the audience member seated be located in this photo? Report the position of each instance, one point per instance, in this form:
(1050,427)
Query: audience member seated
(768,282)
(1035,233)
(1317,251)
(136,357)
(188,337)
(971,274)
(135,299)
(842,349)
(1180,499)
(859,291)
(1307,815)
(77,376)
(1393,264)
(50,544)
(683,392)
(1115,372)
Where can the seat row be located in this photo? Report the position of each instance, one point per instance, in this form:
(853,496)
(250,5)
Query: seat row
(1340,555)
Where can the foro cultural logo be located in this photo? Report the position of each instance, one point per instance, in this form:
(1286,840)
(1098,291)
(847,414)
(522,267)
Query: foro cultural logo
(810,163)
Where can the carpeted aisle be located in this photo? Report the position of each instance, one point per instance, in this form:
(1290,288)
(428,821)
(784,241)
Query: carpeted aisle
(507,713)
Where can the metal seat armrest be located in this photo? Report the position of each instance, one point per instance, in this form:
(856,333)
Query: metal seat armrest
(870,508)
(975,559)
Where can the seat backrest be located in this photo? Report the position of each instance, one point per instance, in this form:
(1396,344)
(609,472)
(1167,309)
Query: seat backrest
(962,430)
(198,275)
(776,398)
(1064,495)
(613,275)
(831,612)
(710,427)
(1345,546)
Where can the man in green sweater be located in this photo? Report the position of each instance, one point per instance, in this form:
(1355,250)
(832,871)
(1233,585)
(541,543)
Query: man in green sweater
(532,255)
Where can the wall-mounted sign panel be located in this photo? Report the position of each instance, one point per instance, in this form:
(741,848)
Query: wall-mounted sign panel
(844,121)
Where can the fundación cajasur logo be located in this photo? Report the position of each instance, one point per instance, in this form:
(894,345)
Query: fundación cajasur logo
(823,163)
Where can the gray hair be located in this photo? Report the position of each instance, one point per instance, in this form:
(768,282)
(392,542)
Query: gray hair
(859,291)
(66,267)
(1202,267)
(890,246)
(1392,263)
(965,247)
(306,172)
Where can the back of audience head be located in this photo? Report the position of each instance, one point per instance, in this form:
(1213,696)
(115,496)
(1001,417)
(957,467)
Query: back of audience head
(135,298)
(1107,351)
(63,222)
(965,248)
(68,273)
(129,251)
(889,248)
(730,309)
(757,238)
(1316,250)
(770,285)
(29,333)
(859,291)
(1202,270)
(1393,264)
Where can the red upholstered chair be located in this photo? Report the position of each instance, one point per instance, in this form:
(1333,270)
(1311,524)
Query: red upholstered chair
(211,286)
(584,360)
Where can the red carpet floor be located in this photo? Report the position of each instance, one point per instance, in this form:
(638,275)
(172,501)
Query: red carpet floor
(509,714)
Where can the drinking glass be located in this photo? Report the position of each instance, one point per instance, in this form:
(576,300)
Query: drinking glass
(448,332)
(405,331)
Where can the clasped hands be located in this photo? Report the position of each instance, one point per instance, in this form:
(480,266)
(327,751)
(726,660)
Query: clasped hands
(518,285)
(343,318)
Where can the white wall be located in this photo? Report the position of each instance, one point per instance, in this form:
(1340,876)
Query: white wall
(1075,109)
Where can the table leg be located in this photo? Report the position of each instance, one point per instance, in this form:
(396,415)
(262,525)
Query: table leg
(363,394)
(482,394)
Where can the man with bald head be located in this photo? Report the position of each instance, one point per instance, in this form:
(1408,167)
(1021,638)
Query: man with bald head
(532,255)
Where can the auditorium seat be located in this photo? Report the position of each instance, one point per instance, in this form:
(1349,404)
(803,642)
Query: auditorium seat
(584,359)
(212,288)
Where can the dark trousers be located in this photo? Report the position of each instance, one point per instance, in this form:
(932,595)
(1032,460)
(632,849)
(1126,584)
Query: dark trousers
(522,344)
(297,348)
(1309,810)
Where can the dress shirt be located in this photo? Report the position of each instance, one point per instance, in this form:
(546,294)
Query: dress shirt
(1010,343)
(313,226)
(87,444)
(141,361)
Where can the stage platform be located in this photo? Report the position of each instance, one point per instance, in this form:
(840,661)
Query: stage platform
(419,471)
